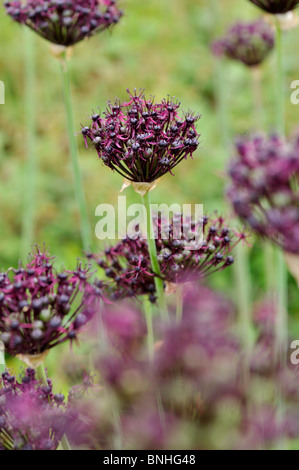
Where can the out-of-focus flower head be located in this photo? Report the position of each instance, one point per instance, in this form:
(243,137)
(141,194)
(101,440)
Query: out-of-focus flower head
(40,307)
(264,188)
(187,250)
(65,22)
(143,140)
(190,392)
(276,6)
(249,43)
(31,416)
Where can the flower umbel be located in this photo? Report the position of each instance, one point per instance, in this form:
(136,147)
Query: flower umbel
(264,188)
(142,140)
(249,43)
(65,22)
(128,266)
(276,6)
(31,416)
(40,308)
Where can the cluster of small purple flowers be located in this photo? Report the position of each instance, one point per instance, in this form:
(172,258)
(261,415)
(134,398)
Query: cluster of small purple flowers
(65,22)
(32,417)
(263,190)
(249,43)
(142,140)
(41,308)
(181,257)
(192,390)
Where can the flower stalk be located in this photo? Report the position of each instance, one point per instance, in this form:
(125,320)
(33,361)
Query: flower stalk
(30,164)
(2,357)
(79,191)
(153,256)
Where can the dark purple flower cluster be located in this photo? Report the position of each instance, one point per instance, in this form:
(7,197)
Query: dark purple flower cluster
(181,256)
(31,416)
(264,188)
(65,22)
(40,308)
(142,140)
(191,393)
(249,43)
(276,6)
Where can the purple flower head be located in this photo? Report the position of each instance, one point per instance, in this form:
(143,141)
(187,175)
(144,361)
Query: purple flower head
(128,265)
(201,344)
(276,6)
(125,328)
(263,190)
(249,43)
(40,307)
(31,416)
(142,140)
(65,22)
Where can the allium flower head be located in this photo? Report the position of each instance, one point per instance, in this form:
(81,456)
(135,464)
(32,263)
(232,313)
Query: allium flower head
(31,416)
(276,6)
(40,307)
(65,22)
(264,188)
(128,265)
(142,140)
(196,371)
(249,43)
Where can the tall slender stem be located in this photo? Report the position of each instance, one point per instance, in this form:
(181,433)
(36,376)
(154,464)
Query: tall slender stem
(149,323)
(243,292)
(2,357)
(269,262)
(259,115)
(281,269)
(41,374)
(219,79)
(179,303)
(268,250)
(281,279)
(65,445)
(84,222)
(280,108)
(153,255)
(241,266)
(30,165)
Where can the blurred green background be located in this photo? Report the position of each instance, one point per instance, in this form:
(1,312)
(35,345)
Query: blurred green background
(164,47)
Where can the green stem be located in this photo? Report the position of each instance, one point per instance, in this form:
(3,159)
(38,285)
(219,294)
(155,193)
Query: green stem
(65,445)
(241,267)
(269,261)
(260,117)
(282,315)
(258,97)
(153,255)
(179,303)
(219,79)
(41,374)
(2,358)
(281,269)
(30,165)
(244,292)
(84,222)
(149,323)
(280,108)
